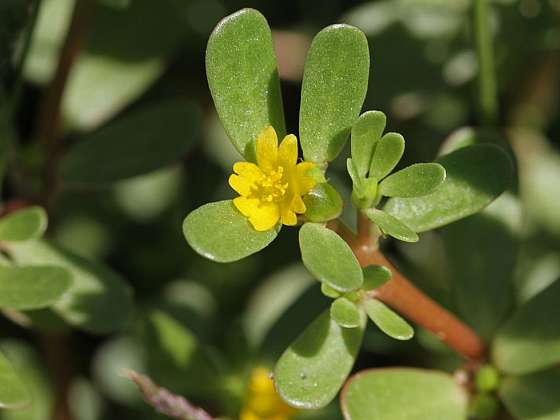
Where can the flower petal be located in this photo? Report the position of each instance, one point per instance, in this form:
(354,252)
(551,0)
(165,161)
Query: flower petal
(247,206)
(298,205)
(288,151)
(267,149)
(265,217)
(289,218)
(305,182)
(241,185)
(247,170)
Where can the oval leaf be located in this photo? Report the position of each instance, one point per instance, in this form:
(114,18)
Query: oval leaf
(323,203)
(414,181)
(391,226)
(329,258)
(12,391)
(345,313)
(314,367)
(334,88)
(25,224)
(220,233)
(98,300)
(376,276)
(366,132)
(530,340)
(387,320)
(387,154)
(399,393)
(25,288)
(243,79)
(476,175)
(141,142)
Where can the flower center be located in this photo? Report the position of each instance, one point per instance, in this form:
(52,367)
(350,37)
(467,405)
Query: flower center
(269,187)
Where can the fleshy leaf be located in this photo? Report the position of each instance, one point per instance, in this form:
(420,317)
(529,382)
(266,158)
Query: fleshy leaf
(391,226)
(313,369)
(387,320)
(243,79)
(334,88)
(138,143)
(534,396)
(400,393)
(366,132)
(13,394)
(530,340)
(476,175)
(25,288)
(387,154)
(345,313)
(323,203)
(375,276)
(220,233)
(329,258)
(25,224)
(414,181)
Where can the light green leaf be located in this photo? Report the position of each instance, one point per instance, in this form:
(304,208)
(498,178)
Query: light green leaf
(530,340)
(388,321)
(98,300)
(534,396)
(312,370)
(354,174)
(403,394)
(334,88)
(323,203)
(366,132)
(141,142)
(345,313)
(391,226)
(220,233)
(414,181)
(243,78)
(25,288)
(329,258)
(329,291)
(376,276)
(387,154)
(476,175)
(25,224)
(12,391)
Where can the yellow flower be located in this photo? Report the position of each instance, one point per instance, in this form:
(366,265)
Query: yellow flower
(263,403)
(271,190)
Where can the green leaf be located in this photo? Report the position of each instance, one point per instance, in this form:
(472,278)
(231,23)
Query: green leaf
(487,378)
(366,132)
(329,258)
(345,313)
(388,321)
(141,142)
(98,300)
(329,291)
(534,396)
(334,88)
(354,174)
(375,276)
(12,391)
(243,78)
(476,175)
(323,203)
(312,370)
(25,224)
(391,226)
(414,181)
(387,154)
(25,288)
(403,394)
(530,340)
(220,233)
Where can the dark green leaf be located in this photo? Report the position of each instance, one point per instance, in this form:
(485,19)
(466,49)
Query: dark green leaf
(476,175)
(323,203)
(414,181)
(388,321)
(219,232)
(334,87)
(366,132)
(25,224)
(141,142)
(243,78)
(387,154)
(391,226)
(403,394)
(312,370)
(12,391)
(345,313)
(329,258)
(376,276)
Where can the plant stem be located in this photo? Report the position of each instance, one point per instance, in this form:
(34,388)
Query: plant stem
(487,93)
(400,294)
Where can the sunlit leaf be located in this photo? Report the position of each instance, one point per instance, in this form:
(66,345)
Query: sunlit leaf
(387,154)
(345,313)
(387,320)
(416,180)
(375,276)
(391,226)
(12,391)
(323,203)
(366,132)
(28,223)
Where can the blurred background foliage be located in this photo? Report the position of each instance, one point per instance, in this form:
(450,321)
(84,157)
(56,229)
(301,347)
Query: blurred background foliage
(142,146)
